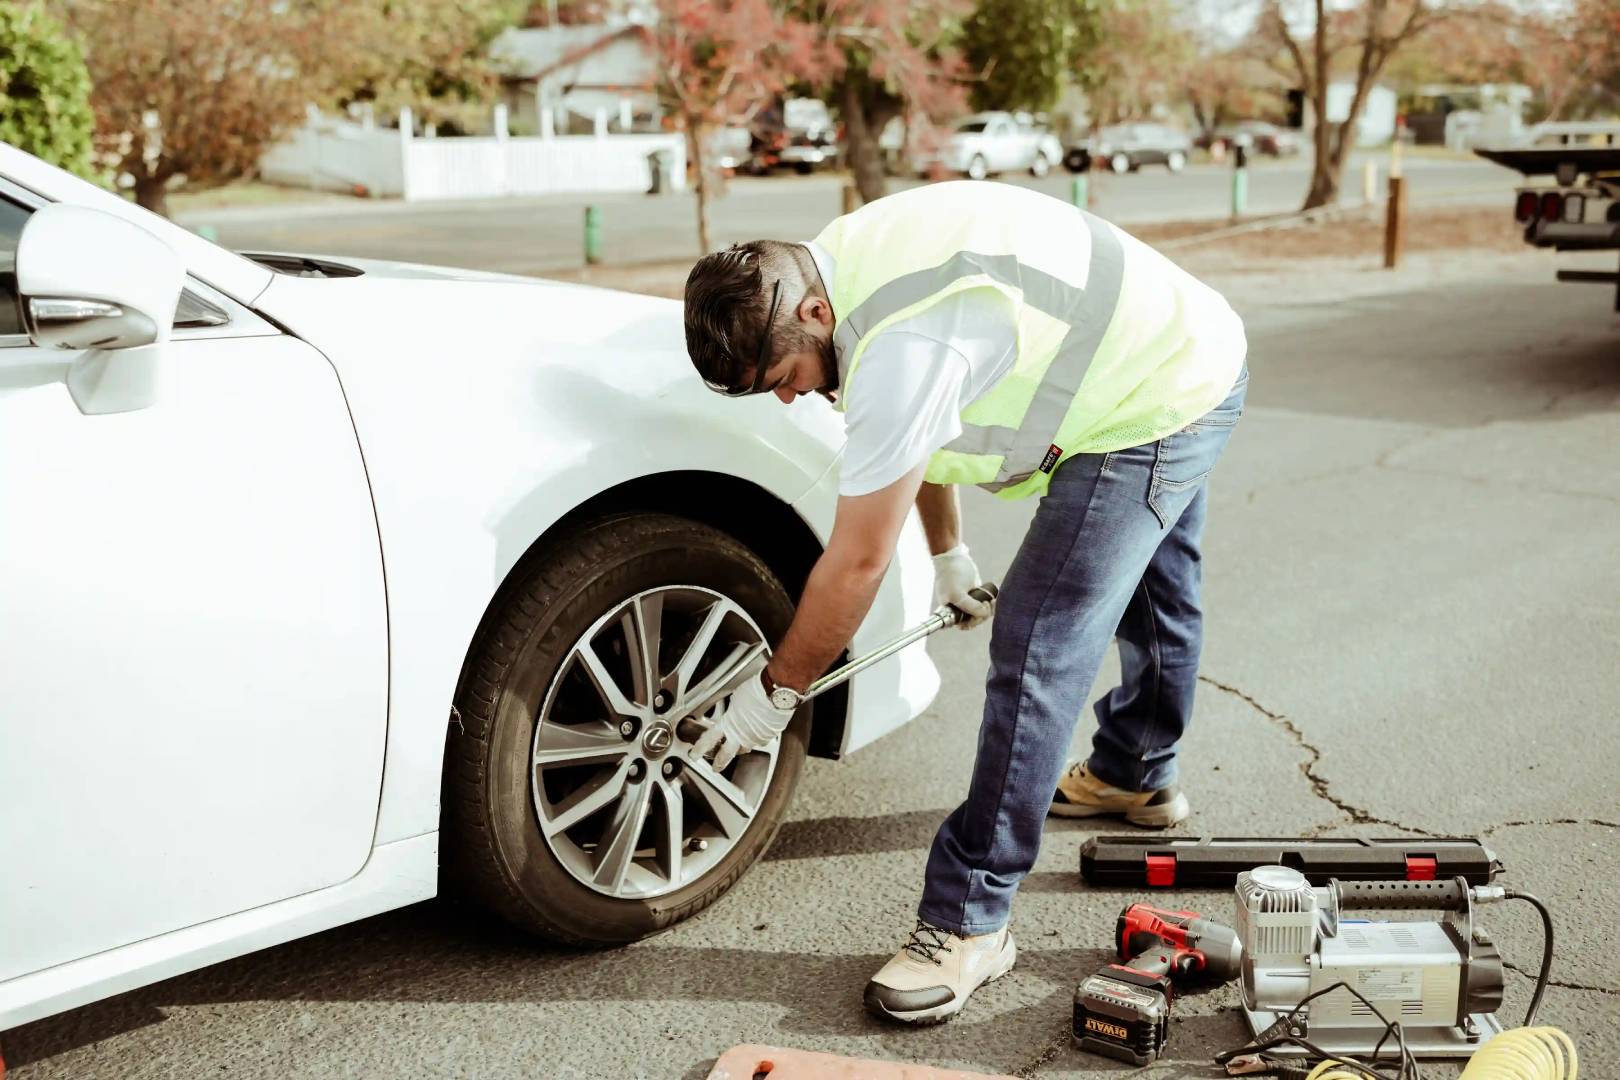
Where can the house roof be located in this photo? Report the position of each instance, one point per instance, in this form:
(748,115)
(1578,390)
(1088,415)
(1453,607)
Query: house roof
(532,54)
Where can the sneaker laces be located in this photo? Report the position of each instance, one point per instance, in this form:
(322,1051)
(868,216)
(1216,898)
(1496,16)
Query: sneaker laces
(927,942)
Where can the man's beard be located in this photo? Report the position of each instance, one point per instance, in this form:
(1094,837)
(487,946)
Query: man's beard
(829,370)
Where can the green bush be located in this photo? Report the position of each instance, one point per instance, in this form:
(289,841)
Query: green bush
(44,89)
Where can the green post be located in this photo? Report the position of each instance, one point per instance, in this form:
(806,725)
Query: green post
(1077,190)
(593,235)
(1240,190)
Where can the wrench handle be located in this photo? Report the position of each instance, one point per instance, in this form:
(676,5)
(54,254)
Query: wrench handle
(947,615)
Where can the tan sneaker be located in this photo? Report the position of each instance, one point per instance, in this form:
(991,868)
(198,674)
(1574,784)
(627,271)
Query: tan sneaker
(930,979)
(1079,794)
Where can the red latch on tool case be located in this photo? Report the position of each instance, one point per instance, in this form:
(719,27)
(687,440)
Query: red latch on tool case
(1161,869)
(1420,868)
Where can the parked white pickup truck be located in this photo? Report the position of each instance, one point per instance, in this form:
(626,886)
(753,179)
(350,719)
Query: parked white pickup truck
(993,142)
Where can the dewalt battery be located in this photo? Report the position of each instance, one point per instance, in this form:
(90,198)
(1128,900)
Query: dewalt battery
(1123,1014)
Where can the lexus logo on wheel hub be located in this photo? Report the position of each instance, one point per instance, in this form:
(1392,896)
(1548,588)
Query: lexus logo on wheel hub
(659,737)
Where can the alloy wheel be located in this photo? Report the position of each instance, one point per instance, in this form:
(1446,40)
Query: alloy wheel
(617,798)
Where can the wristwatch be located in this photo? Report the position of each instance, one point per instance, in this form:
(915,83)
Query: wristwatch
(784,698)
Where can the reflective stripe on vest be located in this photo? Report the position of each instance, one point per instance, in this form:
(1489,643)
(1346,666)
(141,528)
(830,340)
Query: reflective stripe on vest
(1087,312)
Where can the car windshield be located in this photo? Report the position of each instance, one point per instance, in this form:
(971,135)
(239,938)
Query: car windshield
(970,126)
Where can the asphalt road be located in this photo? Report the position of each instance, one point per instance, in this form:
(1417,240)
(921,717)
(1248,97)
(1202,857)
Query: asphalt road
(547,234)
(1412,586)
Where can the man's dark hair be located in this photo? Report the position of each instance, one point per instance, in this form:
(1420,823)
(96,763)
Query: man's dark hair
(728,294)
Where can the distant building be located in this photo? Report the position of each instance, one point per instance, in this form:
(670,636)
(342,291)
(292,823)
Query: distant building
(1464,115)
(569,76)
(1376,124)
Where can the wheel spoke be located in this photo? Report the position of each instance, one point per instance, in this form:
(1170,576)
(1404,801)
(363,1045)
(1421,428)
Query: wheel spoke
(618,845)
(726,802)
(590,798)
(700,644)
(744,662)
(611,695)
(671,844)
(577,744)
(648,624)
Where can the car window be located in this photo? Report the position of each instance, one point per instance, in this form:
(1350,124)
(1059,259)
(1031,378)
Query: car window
(971,127)
(12,219)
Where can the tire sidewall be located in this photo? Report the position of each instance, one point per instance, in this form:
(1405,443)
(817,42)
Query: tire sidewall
(693,555)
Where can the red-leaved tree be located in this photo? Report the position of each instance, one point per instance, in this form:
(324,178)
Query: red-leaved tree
(885,58)
(719,63)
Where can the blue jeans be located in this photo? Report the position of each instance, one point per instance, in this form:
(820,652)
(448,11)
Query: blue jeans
(1113,552)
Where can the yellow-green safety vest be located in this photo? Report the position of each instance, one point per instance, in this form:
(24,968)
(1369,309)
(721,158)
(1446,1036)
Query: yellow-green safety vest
(1117,345)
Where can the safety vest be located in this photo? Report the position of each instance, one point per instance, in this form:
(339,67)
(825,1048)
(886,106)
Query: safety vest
(1117,346)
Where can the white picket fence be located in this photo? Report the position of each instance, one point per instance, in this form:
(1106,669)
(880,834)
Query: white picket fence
(343,155)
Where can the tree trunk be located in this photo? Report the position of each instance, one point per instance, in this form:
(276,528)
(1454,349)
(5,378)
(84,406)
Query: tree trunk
(865,113)
(152,194)
(694,135)
(1324,178)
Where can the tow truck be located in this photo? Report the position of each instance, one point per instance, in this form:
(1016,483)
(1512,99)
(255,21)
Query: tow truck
(1579,209)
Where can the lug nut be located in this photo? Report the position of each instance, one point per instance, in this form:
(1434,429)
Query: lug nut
(638,769)
(669,768)
(628,729)
(661,701)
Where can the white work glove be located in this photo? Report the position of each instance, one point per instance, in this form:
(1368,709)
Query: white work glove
(954,575)
(748,721)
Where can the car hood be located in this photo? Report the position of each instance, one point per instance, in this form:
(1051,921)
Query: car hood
(385,268)
(467,346)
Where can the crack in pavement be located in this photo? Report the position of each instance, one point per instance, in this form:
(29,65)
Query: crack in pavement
(1531,975)
(1489,481)
(1045,1054)
(1552,821)
(1319,784)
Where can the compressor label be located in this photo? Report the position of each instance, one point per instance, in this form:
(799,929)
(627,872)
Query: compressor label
(1402,984)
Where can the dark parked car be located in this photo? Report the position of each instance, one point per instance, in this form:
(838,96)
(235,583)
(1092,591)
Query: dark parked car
(1127,147)
(1256,136)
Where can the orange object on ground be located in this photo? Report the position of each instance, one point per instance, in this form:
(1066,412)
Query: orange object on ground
(747,1061)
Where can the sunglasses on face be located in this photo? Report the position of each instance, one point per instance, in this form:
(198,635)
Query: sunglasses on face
(760,361)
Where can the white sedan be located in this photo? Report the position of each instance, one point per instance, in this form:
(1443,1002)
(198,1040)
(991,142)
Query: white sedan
(317,569)
(993,142)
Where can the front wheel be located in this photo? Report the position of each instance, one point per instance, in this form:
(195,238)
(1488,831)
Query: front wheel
(1120,163)
(1175,161)
(978,168)
(570,805)
(1040,167)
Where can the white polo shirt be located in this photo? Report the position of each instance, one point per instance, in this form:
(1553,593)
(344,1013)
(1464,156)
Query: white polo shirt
(916,378)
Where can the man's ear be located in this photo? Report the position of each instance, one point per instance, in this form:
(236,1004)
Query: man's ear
(815,309)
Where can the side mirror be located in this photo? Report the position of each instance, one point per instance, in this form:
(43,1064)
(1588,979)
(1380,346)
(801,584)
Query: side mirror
(91,282)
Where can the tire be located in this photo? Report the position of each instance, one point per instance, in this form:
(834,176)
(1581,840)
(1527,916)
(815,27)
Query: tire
(978,168)
(1040,167)
(528,670)
(1175,161)
(804,168)
(1120,162)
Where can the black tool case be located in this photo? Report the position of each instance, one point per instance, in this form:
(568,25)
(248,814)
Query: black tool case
(1212,861)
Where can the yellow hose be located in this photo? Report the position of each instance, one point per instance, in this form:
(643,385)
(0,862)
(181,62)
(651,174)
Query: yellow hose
(1538,1053)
